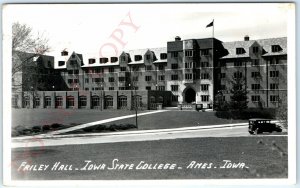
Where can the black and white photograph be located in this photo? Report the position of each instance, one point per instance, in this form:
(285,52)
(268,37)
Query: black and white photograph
(149,91)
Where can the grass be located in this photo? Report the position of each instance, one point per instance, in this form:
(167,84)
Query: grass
(266,157)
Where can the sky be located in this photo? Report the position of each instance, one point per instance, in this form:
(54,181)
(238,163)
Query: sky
(106,29)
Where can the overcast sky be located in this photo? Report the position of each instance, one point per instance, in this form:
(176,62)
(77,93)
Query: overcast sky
(87,28)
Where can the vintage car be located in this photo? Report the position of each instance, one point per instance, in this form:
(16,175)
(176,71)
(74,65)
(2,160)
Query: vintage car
(257,126)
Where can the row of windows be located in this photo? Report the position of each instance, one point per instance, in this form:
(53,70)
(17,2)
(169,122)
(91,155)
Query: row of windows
(273,74)
(273,98)
(255,62)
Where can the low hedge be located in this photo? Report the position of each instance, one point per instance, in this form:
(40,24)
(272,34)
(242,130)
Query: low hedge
(267,113)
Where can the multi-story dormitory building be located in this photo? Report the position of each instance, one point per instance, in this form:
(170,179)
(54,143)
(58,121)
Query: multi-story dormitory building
(189,71)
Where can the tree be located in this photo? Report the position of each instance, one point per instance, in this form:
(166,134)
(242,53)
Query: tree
(239,94)
(282,111)
(220,104)
(26,51)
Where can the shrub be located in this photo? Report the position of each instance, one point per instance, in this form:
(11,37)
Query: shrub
(56,125)
(15,133)
(36,129)
(247,114)
(113,127)
(46,127)
(101,128)
(26,131)
(88,129)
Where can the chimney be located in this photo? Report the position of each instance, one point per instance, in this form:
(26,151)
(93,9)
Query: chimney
(246,38)
(177,38)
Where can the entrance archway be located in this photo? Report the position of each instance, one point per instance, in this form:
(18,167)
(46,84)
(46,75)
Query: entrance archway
(190,95)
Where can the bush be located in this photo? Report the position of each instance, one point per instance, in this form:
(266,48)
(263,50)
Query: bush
(36,129)
(15,133)
(112,127)
(101,128)
(88,129)
(26,131)
(247,114)
(46,127)
(56,125)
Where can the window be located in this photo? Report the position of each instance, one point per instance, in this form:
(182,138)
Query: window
(255,74)
(47,101)
(189,53)
(86,80)
(174,77)
(14,101)
(174,66)
(103,60)
(238,75)
(163,56)
(188,76)
(148,67)
(138,58)
(99,88)
(86,89)
(92,61)
(36,102)
(58,102)
(99,70)
(161,77)
(205,98)
(122,79)
(76,71)
(70,101)
(123,58)
(222,87)
(255,62)
(161,67)
(174,87)
(238,64)
(204,64)
(64,53)
(70,72)
(113,59)
(204,76)
(111,79)
(95,101)
(82,101)
(109,101)
(148,78)
(70,81)
(255,49)
(204,87)
(122,101)
(222,75)
(274,61)
(148,87)
(61,63)
(122,69)
(137,101)
(75,81)
(73,62)
(73,55)
(240,50)
(274,74)
(276,48)
(274,98)
(148,57)
(255,98)
(189,65)
(135,79)
(122,88)
(174,54)
(175,98)
(204,52)
(111,88)
(255,86)
(26,101)
(273,86)
(111,69)
(161,88)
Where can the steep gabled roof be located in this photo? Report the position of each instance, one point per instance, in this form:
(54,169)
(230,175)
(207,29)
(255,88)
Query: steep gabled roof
(232,46)
(267,45)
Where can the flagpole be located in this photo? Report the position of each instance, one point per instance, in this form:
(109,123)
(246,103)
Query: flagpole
(213,33)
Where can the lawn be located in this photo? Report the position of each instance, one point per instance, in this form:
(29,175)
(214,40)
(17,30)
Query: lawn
(163,120)
(266,157)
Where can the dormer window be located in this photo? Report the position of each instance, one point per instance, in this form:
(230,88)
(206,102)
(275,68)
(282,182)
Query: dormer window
(113,59)
(163,56)
(137,58)
(103,60)
(255,49)
(92,61)
(276,48)
(64,53)
(148,57)
(240,51)
(61,63)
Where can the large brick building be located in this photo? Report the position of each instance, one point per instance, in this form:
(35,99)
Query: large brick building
(189,71)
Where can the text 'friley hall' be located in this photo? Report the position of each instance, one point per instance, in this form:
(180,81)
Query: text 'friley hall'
(185,73)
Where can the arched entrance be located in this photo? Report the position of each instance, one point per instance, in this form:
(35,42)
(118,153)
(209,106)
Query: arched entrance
(190,95)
